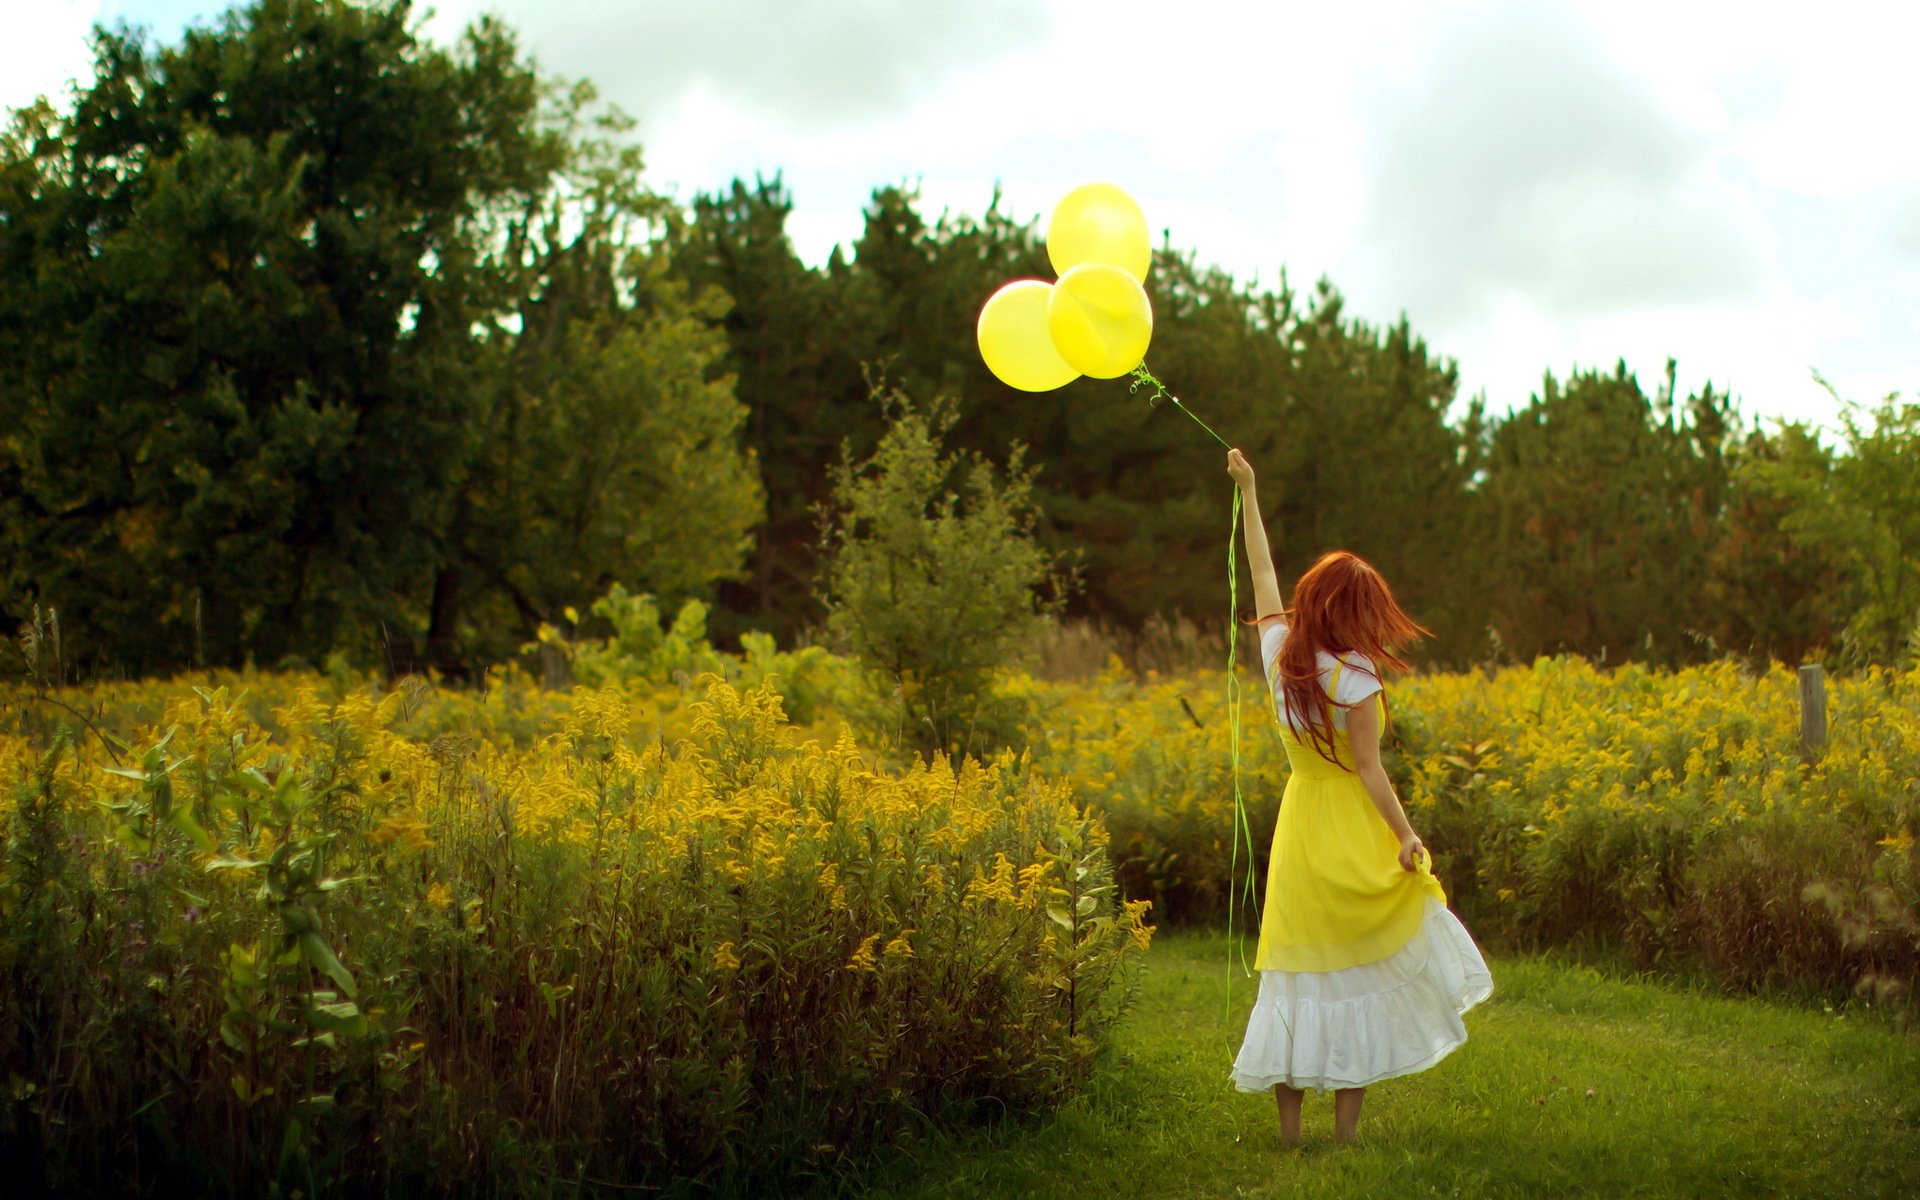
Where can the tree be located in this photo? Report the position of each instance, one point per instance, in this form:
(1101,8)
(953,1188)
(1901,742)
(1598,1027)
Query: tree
(1772,596)
(266,361)
(799,377)
(609,448)
(931,575)
(1136,492)
(1862,507)
(1601,504)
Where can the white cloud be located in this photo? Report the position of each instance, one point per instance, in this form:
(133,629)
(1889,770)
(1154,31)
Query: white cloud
(1521,159)
(45,50)
(1537,186)
(801,65)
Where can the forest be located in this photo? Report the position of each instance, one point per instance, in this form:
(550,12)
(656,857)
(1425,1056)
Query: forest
(324,342)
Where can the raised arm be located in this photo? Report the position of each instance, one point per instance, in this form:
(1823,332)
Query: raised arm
(1266,581)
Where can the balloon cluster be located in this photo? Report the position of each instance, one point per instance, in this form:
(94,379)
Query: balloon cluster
(1095,320)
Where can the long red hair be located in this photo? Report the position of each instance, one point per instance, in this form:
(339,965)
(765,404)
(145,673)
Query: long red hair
(1340,604)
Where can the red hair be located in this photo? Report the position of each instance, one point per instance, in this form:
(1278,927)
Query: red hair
(1341,604)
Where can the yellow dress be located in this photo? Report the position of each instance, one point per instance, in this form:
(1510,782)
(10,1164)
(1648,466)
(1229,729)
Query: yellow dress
(1336,894)
(1364,971)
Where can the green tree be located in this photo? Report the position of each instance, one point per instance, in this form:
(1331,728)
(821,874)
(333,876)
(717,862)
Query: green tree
(1862,506)
(1601,505)
(609,449)
(286,367)
(242,275)
(1770,595)
(1363,418)
(931,574)
(798,373)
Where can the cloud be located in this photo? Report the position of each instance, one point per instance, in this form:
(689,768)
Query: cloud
(1903,228)
(166,18)
(806,63)
(1518,159)
(45,48)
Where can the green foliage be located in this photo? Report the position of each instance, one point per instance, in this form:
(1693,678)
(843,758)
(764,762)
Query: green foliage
(932,576)
(641,649)
(322,337)
(326,342)
(1770,595)
(797,366)
(388,959)
(1601,503)
(245,272)
(611,444)
(1859,507)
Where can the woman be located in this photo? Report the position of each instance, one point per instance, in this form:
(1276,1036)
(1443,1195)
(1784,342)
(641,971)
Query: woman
(1364,972)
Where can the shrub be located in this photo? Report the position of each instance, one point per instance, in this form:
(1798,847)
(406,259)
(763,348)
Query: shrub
(933,579)
(355,956)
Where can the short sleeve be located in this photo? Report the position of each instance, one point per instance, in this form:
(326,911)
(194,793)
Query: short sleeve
(1270,643)
(1359,678)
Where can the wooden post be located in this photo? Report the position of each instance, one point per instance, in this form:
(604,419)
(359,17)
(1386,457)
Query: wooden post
(1813,710)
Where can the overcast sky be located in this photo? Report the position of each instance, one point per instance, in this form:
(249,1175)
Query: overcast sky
(1536,185)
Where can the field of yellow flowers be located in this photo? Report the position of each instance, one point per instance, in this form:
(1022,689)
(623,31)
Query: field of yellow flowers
(1667,817)
(275,932)
(323,934)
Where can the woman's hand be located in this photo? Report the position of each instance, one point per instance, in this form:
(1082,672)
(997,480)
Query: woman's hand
(1240,469)
(1411,848)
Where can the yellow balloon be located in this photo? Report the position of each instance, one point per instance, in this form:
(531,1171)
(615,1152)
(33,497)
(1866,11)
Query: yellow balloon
(1099,223)
(1014,342)
(1100,320)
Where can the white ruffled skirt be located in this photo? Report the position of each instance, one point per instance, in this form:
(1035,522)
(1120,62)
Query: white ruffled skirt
(1354,1027)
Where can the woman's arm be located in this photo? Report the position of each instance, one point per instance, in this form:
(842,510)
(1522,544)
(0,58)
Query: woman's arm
(1363,731)
(1266,581)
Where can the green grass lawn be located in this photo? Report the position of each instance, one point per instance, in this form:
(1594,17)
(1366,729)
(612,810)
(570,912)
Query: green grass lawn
(1571,1084)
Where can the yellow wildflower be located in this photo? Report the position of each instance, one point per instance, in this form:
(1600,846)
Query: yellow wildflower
(405,829)
(863,959)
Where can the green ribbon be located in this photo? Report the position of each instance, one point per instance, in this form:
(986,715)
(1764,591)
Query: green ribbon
(1242,828)
(1142,375)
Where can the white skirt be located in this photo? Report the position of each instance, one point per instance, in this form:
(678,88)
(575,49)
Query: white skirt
(1356,1026)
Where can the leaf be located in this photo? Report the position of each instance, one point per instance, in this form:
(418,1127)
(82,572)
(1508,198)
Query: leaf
(321,956)
(182,819)
(291,1142)
(1061,918)
(1086,905)
(233,862)
(344,1017)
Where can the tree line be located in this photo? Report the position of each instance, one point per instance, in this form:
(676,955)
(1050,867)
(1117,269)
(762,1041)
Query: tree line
(320,339)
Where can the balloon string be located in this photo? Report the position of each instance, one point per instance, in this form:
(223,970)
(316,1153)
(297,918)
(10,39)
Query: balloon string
(1142,375)
(1233,740)
(1242,831)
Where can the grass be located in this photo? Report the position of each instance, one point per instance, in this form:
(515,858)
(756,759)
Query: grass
(1572,1083)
